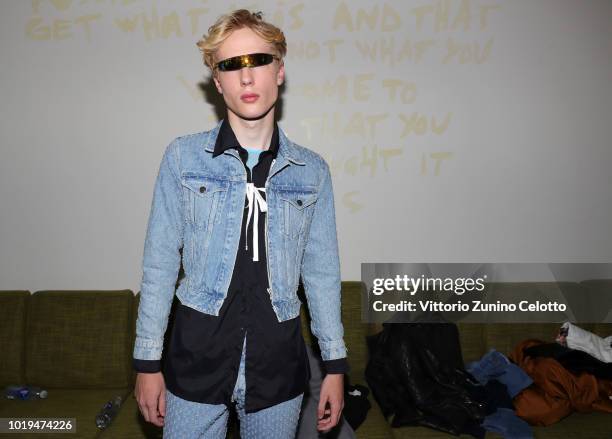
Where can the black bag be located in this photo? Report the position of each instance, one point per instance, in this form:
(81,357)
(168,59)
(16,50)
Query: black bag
(416,372)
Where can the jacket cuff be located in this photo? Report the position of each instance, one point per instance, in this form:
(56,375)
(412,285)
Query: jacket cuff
(146,366)
(337,366)
(331,350)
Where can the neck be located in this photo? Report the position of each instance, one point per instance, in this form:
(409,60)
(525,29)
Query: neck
(256,134)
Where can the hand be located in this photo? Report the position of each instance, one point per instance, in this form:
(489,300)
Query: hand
(150,393)
(332,392)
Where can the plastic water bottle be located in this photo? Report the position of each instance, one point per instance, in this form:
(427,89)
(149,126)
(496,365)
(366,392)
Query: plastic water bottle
(108,412)
(25,392)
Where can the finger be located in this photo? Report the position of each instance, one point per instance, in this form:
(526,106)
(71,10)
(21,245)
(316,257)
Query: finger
(162,404)
(321,406)
(325,421)
(324,428)
(335,417)
(153,415)
(324,424)
(335,414)
(326,416)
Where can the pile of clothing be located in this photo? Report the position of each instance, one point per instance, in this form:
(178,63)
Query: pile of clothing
(572,374)
(417,375)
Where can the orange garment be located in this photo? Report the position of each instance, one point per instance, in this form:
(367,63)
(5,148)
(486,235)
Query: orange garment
(556,392)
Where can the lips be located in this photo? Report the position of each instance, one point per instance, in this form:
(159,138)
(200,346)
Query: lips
(249,97)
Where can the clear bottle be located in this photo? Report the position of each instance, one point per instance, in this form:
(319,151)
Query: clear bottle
(108,412)
(25,392)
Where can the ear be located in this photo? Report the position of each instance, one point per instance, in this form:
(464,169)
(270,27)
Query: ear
(217,83)
(280,75)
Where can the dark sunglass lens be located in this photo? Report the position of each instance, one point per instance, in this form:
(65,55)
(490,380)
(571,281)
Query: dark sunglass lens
(229,64)
(251,60)
(263,59)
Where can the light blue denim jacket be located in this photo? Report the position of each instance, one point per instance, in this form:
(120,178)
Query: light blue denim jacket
(197,205)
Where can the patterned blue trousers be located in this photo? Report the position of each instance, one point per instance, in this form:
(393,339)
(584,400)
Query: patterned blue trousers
(190,420)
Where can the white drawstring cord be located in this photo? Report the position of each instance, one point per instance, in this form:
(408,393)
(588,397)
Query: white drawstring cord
(253,193)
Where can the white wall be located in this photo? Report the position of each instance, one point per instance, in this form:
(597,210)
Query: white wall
(495,148)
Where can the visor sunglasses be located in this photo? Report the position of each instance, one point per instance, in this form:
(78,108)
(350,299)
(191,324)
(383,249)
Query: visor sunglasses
(250,60)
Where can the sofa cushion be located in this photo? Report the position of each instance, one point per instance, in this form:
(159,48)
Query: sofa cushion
(602,329)
(472,339)
(79,339)
(578,425)
(82,404)
(598,294)
(12,336)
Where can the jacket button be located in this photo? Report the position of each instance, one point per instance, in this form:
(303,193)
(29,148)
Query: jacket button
(299,202)
(202,189)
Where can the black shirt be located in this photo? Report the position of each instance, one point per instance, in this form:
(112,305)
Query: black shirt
(204,351)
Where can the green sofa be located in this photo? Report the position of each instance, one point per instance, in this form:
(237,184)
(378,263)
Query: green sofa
(78,346)
(74,344)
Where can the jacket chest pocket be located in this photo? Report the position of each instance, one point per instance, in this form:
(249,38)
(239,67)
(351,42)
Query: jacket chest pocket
(203,196)
(297,207)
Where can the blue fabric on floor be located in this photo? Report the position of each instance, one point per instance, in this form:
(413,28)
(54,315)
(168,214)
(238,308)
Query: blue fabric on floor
(506,423)
(495,365)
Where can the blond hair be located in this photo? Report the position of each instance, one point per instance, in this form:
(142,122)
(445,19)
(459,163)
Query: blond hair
(238,19)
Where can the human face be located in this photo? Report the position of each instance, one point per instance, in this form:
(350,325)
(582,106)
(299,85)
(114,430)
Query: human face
(239,86)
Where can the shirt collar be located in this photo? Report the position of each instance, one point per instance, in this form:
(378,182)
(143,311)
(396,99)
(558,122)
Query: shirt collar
(226,139)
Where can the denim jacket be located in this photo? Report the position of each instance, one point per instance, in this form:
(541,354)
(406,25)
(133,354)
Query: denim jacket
(197,205)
